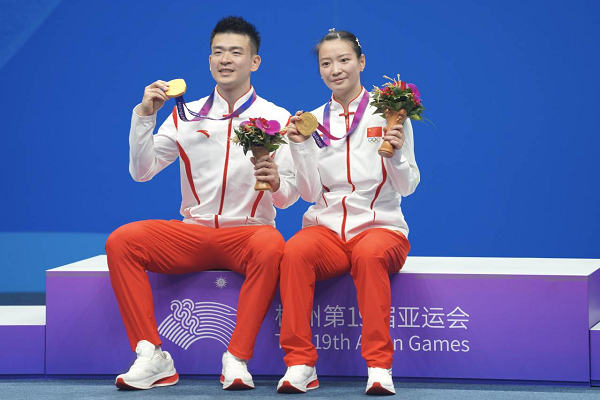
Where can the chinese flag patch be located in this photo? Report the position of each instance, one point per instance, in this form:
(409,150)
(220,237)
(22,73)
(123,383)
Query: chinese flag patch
(376,131)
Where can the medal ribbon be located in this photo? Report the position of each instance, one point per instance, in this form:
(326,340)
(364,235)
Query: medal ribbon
(203,113)
(325,128)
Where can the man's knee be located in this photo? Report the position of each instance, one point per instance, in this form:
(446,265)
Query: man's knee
(273,239)
(121,239)
(268,244)
(266,249)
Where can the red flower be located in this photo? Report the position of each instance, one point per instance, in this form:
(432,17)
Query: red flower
(249,123)
(387,91)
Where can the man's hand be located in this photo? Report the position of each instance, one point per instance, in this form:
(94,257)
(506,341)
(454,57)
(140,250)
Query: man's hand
(265,170)
(154,98)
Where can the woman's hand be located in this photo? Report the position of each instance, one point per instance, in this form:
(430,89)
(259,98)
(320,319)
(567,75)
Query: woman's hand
(395,136)
(292,132)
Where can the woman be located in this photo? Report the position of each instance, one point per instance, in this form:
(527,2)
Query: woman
(356,224)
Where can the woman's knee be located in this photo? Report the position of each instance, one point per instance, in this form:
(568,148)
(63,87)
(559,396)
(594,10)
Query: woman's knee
(297,257)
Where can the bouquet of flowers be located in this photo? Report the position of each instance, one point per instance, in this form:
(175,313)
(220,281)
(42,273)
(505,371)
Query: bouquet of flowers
(396,101)
(261,137)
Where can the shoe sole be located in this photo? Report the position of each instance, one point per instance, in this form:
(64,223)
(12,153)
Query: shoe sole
(237,384)
(167,381)
(377,389)
(287,387)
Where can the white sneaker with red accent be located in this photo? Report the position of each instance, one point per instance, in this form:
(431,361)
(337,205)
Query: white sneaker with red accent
(380,382)
(235,375)
(152,368)
(298,379)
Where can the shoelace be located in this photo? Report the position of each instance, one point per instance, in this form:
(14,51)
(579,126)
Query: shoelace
(237,364)
(147,359)
(141,359)
(296,369)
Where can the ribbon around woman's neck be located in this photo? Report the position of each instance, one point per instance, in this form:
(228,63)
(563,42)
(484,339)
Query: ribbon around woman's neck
(325,128)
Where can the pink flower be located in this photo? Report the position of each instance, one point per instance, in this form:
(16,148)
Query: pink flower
(416,94)
(269,127)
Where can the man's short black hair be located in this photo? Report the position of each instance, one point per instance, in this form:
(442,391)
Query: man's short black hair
(240,26)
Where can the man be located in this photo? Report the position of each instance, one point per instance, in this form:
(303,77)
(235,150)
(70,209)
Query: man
(226,223)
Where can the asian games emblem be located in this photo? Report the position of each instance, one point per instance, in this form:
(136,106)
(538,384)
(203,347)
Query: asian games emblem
(191,321)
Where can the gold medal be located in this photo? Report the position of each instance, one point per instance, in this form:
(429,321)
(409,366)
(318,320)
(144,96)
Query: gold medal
(307,124)
(177,88)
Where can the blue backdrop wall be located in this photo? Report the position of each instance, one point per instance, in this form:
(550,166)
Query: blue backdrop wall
(510,169)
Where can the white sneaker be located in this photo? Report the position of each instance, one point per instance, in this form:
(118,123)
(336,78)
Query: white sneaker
(150,369)
(235,375)
(298,379)
(380,381)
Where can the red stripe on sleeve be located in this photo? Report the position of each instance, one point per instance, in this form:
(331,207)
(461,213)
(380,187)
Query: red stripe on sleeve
(175,116)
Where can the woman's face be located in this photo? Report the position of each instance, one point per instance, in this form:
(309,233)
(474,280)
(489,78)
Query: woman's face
(340,68)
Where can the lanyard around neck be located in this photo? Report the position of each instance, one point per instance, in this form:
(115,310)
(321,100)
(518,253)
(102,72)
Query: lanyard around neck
(203,113)
(325,129)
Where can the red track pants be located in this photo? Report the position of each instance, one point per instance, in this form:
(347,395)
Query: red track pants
(317,253)
(174,247)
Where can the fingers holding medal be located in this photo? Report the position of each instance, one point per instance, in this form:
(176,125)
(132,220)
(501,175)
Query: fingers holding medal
(301,127)
(307,124)
(154,98)
(176,88)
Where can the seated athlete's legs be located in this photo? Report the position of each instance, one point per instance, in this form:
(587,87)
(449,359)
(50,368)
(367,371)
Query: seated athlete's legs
(255,252)
(170,247)
(376,253)
(314,253)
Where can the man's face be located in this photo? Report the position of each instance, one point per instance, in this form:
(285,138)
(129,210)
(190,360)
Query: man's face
(232,60)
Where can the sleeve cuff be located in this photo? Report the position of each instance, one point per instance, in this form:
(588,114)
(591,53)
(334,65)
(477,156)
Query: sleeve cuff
(304,147)
(278,196)
(398,158)
(142,119)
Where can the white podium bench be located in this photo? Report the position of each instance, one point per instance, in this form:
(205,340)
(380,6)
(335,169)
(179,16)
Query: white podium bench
(23,338)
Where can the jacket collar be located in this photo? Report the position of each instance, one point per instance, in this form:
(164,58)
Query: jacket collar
(338,108)
(222,103)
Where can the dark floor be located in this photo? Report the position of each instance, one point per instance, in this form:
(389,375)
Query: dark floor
(211,389)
